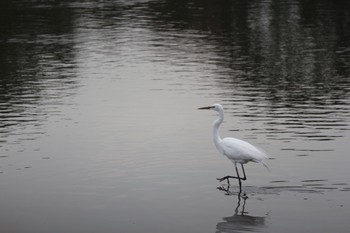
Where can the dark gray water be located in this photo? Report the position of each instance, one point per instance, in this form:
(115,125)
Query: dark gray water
(99,130)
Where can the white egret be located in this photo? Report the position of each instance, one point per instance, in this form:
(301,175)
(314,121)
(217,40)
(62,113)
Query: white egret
(238,151)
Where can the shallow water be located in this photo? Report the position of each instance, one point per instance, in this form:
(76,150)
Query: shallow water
(100,130)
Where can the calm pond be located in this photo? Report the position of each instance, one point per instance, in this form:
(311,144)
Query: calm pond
(100,130)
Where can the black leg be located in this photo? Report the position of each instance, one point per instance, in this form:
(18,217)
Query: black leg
(244,178)
(239,179)
(235,177)
(227,178)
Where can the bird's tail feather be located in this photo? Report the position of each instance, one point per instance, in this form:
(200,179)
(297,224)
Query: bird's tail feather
(265,165)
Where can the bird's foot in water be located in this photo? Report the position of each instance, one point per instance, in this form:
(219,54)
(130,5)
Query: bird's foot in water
(231,191)
(244,195)
(225,189)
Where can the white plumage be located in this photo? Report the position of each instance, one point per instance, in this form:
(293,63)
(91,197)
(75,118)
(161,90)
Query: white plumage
(238,151)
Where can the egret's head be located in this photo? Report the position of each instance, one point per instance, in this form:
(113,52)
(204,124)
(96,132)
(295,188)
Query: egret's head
(215,107)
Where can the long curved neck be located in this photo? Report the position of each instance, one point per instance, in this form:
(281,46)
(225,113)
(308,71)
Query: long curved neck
(216,126)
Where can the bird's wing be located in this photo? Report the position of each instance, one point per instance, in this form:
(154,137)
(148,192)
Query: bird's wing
(241,151)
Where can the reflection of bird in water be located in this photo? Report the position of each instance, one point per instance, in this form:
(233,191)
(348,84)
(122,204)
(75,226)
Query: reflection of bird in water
(238,151)
(240,221)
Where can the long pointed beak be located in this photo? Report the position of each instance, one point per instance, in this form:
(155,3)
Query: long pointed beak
(208,107)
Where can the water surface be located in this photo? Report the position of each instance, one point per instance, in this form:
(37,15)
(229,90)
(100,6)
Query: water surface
(99,129)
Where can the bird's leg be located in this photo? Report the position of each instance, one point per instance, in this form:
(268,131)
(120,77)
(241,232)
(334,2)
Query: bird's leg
(239,179)
(227,178)
(235,177)
(244,178)
(230,177)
